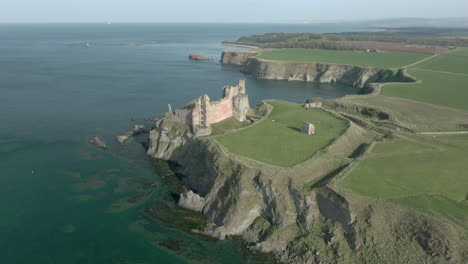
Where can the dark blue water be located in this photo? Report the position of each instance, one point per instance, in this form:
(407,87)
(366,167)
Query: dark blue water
(60,84)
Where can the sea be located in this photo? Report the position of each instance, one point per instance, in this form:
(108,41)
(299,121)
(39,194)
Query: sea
(64,201)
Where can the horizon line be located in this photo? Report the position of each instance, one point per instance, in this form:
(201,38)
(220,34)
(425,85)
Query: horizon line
(296,21)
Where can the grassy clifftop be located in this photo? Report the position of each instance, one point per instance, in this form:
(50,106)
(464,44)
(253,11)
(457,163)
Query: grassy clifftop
(366,59)
(443,81)
(422,172)
(278,139)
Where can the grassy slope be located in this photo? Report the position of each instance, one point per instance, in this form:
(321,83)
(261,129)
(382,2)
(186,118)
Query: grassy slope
(371,59)
(280,142)
(436,88)
(438,85)
(227,125)
(418,116)
(455,61)
(425,173)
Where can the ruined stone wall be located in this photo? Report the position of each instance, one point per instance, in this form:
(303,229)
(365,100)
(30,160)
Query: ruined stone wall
(218,111)
(197,114)
(204,112)
(183,116)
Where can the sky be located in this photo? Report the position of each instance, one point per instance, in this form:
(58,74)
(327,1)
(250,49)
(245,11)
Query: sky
(246,11)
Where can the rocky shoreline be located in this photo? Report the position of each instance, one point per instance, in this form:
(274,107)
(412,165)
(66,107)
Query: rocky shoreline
(272,211)
(297,213)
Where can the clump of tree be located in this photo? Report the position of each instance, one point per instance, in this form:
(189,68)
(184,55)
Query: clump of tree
(296,40)
(338,41)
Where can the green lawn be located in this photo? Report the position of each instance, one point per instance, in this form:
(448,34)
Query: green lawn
(455,61)
(436,88)
(278,140)
(429,174)
(227,125)
(369,59)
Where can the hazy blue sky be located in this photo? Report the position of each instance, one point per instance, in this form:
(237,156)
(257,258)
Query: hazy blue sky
(223,11)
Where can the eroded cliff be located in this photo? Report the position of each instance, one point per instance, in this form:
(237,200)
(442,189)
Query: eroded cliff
(293,212)
(322,72)
(238,57)
(356,76)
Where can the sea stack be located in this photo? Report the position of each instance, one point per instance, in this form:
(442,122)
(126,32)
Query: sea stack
(197,57)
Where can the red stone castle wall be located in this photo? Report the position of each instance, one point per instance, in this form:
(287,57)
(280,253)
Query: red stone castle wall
(219,111)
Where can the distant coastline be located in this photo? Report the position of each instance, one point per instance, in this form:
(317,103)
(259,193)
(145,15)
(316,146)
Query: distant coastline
(235,44)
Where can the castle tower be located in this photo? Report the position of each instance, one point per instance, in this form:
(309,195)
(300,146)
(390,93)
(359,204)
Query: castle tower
(205,107)
(241,102)
(169,114)
(242,86)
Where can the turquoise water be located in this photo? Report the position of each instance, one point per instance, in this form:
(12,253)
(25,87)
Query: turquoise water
(59,84)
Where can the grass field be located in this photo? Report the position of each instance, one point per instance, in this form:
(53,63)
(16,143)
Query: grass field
(425,173)
(436,88)
(369,59)
(455,61)
(227,125)
(278,139)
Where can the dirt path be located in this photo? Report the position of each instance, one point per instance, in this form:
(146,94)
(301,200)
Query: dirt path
(463,74)
(444,133)
(423,60)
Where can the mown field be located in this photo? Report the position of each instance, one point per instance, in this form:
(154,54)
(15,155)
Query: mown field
(367,59)
(425,172)
(227,125)
(444,81)
(439,88)
(278,140)
(455,61)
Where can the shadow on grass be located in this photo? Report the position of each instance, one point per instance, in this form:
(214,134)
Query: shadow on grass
(360,150)
(294,128)
(326,179)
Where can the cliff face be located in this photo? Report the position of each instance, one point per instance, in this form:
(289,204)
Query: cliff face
(321,72)
(284,211)
(311,72)
(237,57)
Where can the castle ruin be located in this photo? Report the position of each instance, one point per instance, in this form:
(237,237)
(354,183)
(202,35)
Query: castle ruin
(204,112)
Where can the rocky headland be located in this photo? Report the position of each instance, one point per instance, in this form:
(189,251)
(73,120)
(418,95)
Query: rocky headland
(137,129)
(238,57)
(355,76)
(297,213)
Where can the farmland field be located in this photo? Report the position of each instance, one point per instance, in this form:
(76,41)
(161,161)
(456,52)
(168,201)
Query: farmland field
(367,59)
(278,140)
(423,172)
(455,61)
(439,88)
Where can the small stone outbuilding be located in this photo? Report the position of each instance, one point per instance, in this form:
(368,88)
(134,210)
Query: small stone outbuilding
(313,103)
(308,128)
